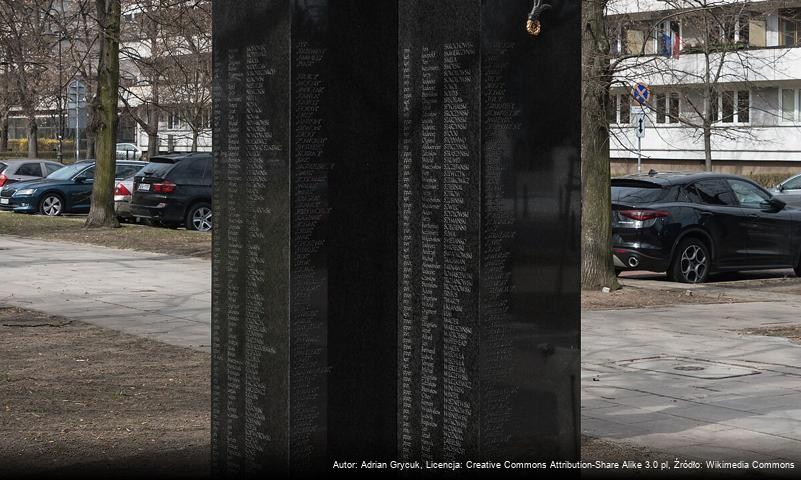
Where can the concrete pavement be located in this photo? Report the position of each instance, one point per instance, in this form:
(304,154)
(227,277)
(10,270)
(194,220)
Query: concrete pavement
(164,297)
(681,379)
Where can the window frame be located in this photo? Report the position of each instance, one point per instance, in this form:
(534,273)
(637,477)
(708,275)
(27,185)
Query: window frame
(795,114)
(784,19)
(28,164)
(718,98)
(763,194)
(617,101)
(663,109)
(722,182)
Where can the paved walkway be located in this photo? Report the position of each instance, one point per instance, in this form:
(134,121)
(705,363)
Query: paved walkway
(167,298)
(678,379)
(682,379)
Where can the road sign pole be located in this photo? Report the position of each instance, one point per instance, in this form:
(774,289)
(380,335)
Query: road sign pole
(641,93)
(639,154)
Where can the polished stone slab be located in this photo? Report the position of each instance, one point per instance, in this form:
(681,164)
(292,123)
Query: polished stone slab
(396,244)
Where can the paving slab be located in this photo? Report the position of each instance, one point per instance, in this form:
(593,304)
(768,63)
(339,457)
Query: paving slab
(163,297)
(734,397)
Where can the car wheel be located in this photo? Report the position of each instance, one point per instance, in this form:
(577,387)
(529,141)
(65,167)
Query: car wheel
(51,205)
(199,218)
(691,263)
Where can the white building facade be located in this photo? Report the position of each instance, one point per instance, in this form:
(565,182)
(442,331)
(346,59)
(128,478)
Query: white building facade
(748,83)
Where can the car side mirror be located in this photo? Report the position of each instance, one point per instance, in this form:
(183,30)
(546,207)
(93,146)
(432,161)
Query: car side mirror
(780,187)
(82,179)
(774,204)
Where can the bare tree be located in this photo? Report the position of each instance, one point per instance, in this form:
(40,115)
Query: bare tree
(188,69)
(81,29)
(26,37)
(105,104)
(169,59)
(710,91)
(6,102)
(142,72)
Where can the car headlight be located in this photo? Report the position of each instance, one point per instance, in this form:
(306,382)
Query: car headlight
(26,191)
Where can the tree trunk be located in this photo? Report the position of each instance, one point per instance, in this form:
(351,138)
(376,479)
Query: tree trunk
(598,270)
(152,144)
(708,120)
(102,212)
(33,140)
(195,134)
(4,133)
(153,124)
(91,129)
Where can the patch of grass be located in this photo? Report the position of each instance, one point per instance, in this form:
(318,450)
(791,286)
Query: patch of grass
(128,236)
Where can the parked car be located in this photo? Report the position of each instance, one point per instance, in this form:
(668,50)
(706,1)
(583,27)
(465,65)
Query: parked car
(694,224)
(789,191)
(128,151)
(14,171)
(175,190)
(122,199)
(68,190)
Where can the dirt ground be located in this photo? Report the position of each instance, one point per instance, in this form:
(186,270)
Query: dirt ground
(635,297)
(790,332)
(129,236)
(77,399)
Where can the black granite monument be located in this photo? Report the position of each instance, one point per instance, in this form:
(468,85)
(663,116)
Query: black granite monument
(396,244)
(304,282)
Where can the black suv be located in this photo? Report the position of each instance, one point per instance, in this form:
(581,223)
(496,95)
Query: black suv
(175,190)
(694,224)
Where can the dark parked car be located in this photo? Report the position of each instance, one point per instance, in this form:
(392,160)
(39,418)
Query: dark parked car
(175,190)
(14,171)
(694,224)
(789,191)
(68,190)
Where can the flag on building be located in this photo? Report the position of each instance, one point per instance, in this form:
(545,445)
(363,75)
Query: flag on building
(676,40)
(666,45)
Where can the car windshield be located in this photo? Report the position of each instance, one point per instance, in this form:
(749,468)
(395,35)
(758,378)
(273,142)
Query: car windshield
(642,192)
(67,172)
(2,167)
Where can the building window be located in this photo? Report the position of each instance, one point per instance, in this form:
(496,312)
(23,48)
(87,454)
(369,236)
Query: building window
(637,39)
(757,32)
(731,106)
(173,122)
(789,28)
(666,106)
(620,109)
(788,103)
(666,37)
(727,107)
(625,109)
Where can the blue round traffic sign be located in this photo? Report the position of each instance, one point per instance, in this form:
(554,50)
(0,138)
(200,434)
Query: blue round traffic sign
(641,93)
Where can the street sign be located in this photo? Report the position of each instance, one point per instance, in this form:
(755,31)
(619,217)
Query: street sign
(638,116)
(639,124)
(641,93)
